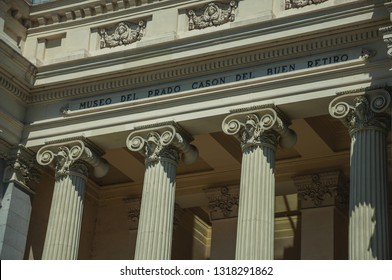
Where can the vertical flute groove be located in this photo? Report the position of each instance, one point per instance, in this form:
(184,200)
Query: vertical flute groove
(255,234)
(368,202)
(64,225)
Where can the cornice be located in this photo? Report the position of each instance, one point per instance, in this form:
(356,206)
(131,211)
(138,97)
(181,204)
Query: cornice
(186,70)
(50,15)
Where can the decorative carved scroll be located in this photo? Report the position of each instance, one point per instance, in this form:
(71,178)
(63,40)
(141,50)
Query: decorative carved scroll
(123,34)
(66,156)
(213,14)
(293,4)
(360,111)
(266,126)
(163,142)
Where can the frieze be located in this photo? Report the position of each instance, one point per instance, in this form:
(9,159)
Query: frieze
(124,33)
(212,65)
(294,4)
(263,70)
(213,14)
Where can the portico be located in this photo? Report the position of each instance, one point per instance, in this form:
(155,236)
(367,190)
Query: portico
(152,135)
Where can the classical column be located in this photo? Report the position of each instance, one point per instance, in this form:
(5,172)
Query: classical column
(162,146)
(66,211)
(323,199)
(367,117)
(259,132)
(18,172)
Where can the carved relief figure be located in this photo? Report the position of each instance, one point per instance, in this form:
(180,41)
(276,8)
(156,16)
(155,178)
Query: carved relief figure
(211,15)
(292,4)
(122,35)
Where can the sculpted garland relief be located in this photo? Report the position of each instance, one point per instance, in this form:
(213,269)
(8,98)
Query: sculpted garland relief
(292,4)
(123,34)
(214,14)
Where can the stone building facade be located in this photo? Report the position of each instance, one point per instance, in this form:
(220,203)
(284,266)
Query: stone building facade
(163,129)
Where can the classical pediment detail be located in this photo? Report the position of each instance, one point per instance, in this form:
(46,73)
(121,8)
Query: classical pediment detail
(213,14)
(124,33)
(294,4)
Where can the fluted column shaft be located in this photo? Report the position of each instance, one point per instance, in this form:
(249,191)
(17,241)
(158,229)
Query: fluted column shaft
(368,228)
(259,133)
(65,218)
(367,118)
(162,147)
(66,211)
(155,229)
(255,233)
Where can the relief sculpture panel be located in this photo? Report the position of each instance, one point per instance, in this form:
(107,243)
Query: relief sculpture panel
(214,14)
(124,33)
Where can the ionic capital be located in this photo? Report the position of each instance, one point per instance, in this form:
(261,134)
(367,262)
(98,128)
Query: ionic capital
(322,189)
(360,111)
(21,166)
(166,142)
(67,156)
(263,127)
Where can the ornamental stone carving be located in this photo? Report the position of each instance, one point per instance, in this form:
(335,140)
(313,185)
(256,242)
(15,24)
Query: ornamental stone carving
(133,212)
(360,111)
(124,33)
(292,4)
(387,36)
(322,189)
(21,166)
(68,158)
(264,127)
(166,142)
(223,202)
(214,14)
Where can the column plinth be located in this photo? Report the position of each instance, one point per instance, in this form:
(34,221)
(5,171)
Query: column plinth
(368,122)
(66,211)
(259,133)
(163,147)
